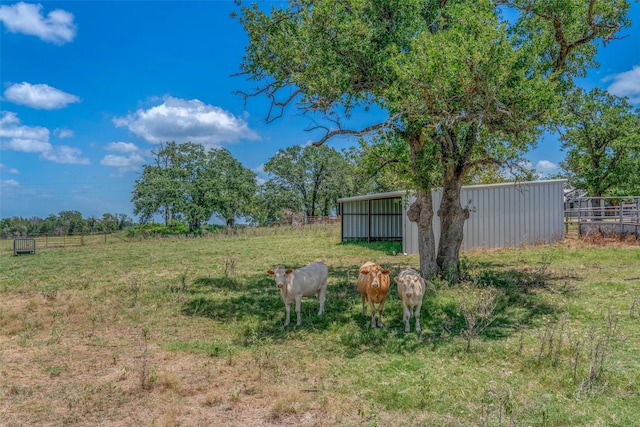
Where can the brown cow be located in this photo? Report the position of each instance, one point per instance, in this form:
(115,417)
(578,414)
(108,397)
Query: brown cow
(373,284)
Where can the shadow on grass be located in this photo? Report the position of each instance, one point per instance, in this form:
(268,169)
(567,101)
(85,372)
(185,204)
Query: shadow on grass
(256,305)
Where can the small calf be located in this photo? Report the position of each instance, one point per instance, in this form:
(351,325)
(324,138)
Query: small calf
(303,282)
(373,284)
(411,289)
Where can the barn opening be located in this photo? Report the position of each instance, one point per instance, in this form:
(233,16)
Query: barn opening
(372,218)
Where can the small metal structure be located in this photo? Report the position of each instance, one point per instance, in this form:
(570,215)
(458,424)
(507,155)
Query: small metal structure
(373,217)
(501,215)
(24,246)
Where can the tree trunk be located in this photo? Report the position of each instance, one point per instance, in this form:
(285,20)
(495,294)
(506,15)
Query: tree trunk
(452,218)
(421,212)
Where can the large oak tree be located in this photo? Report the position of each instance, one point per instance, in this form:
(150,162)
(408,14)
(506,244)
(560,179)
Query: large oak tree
(465,83)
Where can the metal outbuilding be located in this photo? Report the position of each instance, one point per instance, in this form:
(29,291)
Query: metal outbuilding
(501,215)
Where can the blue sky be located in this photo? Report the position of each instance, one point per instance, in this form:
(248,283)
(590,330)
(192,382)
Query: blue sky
(88,89)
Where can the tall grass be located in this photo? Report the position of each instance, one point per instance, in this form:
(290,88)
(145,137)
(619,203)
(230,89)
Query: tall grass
(189,332)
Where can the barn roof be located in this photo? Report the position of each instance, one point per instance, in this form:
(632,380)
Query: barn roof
(402,193)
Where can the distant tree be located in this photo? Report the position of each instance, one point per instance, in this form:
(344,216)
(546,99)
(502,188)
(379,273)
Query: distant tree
(71,222)
(108,223)
(602,139)
(236,186)
(304,175)
(124,221)
(188,182)
(94,224)
(17,227)
(159,187)
(271,203)
(49,225)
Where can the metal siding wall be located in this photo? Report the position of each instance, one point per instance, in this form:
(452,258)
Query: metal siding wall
(501,216)
(507,216)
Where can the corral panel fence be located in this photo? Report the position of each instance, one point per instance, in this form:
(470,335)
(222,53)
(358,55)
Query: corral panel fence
(605,215)
(50,241)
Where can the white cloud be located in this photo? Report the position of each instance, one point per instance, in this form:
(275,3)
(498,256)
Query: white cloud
(123,163)
(40,96)
(626,84)
(35,139)
(259,171)
(10,183)
(8,169)
(546,166)
(28,139)
(65,154)
(63,133)
(57,27)
(123,147)
(183,120)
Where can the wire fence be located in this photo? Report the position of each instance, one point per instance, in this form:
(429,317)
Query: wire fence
(49,241)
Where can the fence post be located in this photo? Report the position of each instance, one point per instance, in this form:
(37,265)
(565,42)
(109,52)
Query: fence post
(621,206)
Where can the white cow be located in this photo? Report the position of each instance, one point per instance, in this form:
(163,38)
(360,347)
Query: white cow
(411,289)
(302,282)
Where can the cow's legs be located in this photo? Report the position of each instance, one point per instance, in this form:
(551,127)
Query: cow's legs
(322,296)
(417,316)
(364,312)
(380,307)
(372,306)
(298,301)
(407,316)
(287,308)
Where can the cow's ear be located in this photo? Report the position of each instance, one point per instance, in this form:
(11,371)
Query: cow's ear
(289,271)
(271,273)
(385,271)
(364,271)
(397,279)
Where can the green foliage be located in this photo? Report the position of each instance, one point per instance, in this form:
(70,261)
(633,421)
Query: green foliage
(66,222)
(191,183)
(174,228)
(601,139)
(307,177)
(464,86)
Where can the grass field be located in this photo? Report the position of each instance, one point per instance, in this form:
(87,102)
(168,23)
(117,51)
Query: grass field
(188,332)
